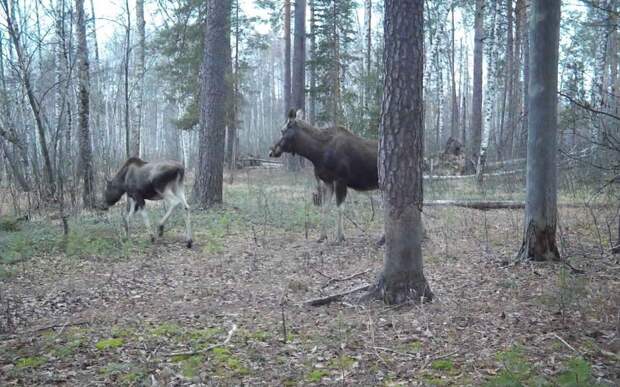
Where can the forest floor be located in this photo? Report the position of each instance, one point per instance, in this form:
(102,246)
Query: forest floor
(98,309)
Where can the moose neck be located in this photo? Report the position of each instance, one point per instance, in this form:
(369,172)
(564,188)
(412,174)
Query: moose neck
(310,143)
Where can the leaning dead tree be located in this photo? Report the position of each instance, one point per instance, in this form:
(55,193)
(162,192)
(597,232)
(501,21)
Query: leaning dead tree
(23,66)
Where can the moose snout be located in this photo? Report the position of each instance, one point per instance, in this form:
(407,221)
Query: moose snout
(275,151)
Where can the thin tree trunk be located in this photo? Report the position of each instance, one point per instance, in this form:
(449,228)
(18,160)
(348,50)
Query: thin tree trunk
(137,126)
(400,154)
(85,147)
(454,122)
(232,125)
(490,97)
(312,99)
(526,84)
(368,31)
(539,239)
(34,103)
(299,56)
(128,134)
(287,56)
(476,108)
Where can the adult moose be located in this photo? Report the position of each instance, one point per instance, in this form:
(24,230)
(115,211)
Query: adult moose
(341,160)
(150,181)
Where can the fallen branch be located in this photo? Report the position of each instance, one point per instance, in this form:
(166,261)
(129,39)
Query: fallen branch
(210,347)
(335,297)
(384,349)
(495,205)
(564,342)
(331,280)
(477,205)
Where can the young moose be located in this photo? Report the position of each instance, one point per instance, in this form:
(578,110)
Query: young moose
(341,160)
(150,181)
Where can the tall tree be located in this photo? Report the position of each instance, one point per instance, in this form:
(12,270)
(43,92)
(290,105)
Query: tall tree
(400,153)
(476,100)
(85,168)
(140,52)
(287,55)
(539,242)
(214,93)
(312,65)
(454,118)
(299,56)
(128,134)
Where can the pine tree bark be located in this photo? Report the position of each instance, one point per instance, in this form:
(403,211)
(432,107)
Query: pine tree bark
(539,242)
(299,65)
(214,92)
(476,103)
(85,169)
(400,154)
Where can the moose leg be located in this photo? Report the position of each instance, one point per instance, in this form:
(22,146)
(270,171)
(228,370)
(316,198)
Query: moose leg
(188,223)
(147,223)
(172,201)
(341,194)
(130,211)
(326,192)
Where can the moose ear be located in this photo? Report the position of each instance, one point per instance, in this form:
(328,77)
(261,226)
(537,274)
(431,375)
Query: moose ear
(291,114)
(299,115)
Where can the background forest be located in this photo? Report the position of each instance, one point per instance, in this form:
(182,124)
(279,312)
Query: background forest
(142,83)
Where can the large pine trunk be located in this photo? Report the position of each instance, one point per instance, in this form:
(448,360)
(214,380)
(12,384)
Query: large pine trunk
(214,93)
(85,147)
(400,154)
(539,242)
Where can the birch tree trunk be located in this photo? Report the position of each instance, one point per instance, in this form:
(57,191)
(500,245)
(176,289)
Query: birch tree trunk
(85,169)
(214,92)
(454,121)
(400,154)
(489,100)
(539,242)
(141,48)
(476,102)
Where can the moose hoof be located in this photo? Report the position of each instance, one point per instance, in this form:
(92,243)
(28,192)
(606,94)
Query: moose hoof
(381,241)
(340,239)
(153,239)
(321,239)
(161,230)
(189,244)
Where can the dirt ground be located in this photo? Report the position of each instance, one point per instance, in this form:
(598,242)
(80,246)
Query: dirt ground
(231,310)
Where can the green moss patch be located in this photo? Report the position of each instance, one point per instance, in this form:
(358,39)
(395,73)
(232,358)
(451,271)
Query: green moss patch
(107,344)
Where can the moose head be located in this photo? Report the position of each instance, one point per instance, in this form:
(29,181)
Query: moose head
(289,135)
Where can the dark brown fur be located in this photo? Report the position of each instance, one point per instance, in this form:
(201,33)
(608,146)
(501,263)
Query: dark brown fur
(340,158)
